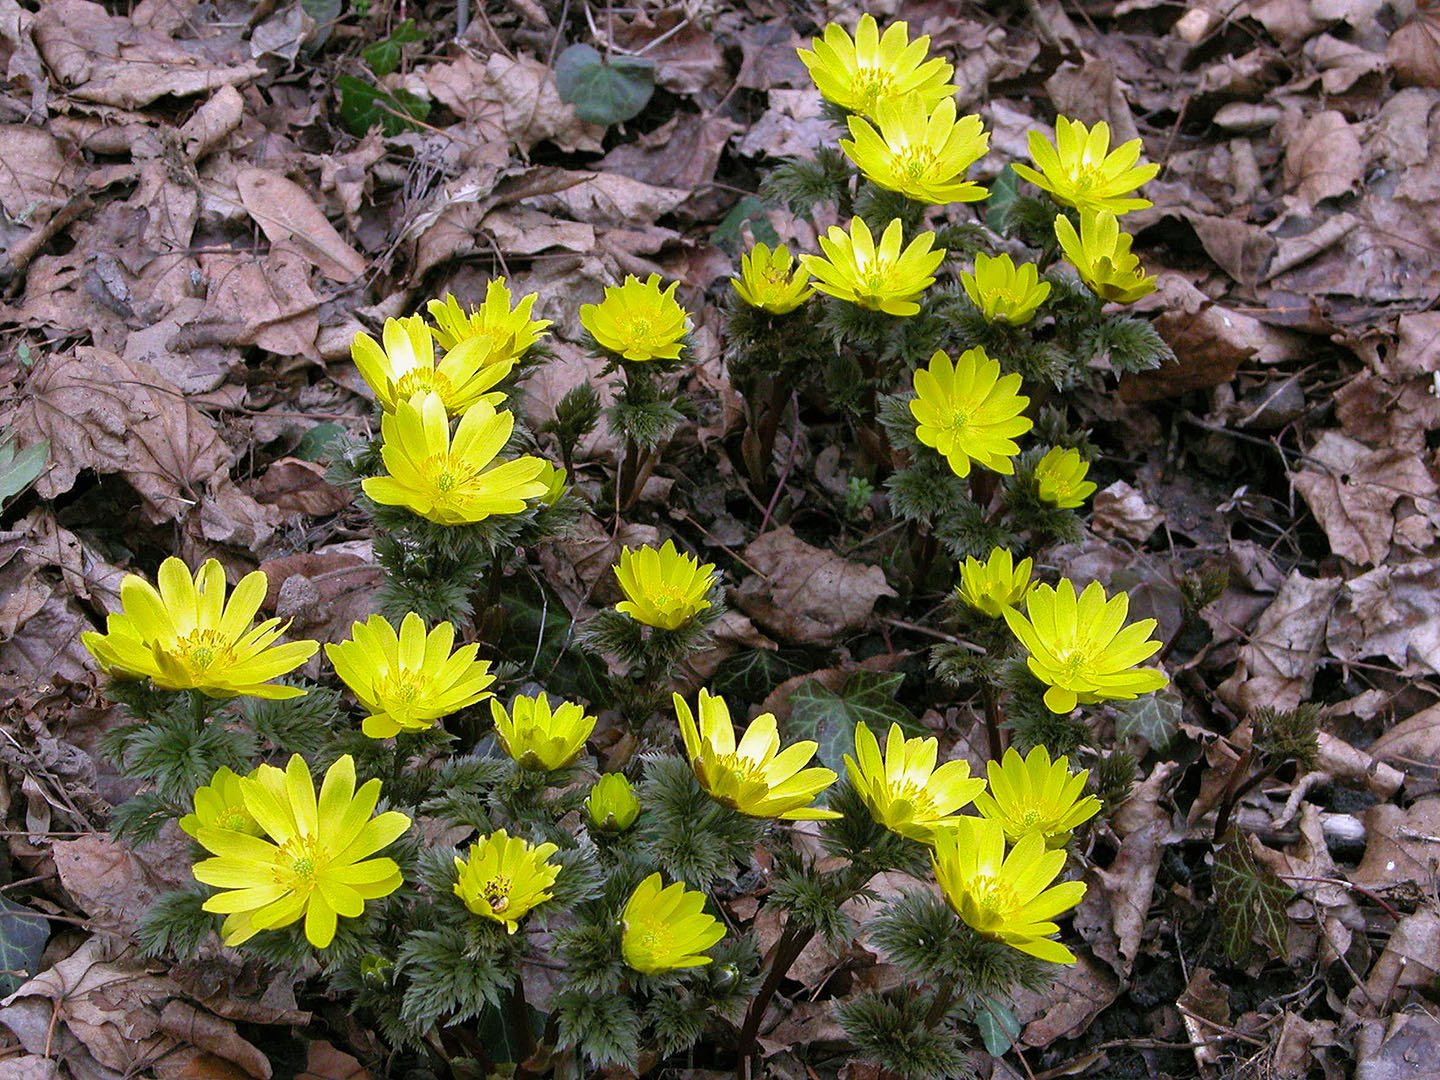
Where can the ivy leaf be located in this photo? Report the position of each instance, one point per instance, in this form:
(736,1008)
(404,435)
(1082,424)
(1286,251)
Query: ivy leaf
(363,105)
(1153,717)
(998,1024)
(23,934)
(20,468)
(818,713)
(604,91)
(1250,901)
(315,443)
(1002,200)
(751,209)
(383,57)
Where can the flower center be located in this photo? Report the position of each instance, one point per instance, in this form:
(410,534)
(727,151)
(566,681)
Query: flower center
(992,899)
(496,892)
(200,650)
(234,818)
(870,85)
(654,939)
(450,477)
(1072,664)
(1030,817)
(640,328)
(912,801)
(298,863)
(421,380)
(918,162)
(401,688)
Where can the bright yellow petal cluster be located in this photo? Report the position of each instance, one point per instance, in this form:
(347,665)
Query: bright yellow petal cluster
(969,412)
(863,72)
(921,153)
(1005,897)
(771,280)
(996,584)
(313,859)
(903,790)
(638,319)
(186,636)
(1101,254)
(1081,648)
(408,680)
(1003,291)
(452,482)
(404,365)
(755,777)
(220,804)
(877,277)
(554,478)
(664,588)
(1060,475)
(665,929)
(539,737)
(612,804)
(501,333)
(1036,795)
(504,877)
(1079,169)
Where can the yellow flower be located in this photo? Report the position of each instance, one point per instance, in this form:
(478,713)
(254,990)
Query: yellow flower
(452,482)
(185,636)
(502,333)
(638,320)
(996,584)
(220,804)
(879,278)
(1078,648)
(405,366)
(504,877)
(313,860)
(756,777)
(408,680)
(1101,253)
(664,929)
(1004,292)
(860,73)
(920,152)
(1036,795)
(664,588)
(969,411)
(1005,897)
(1080,170)
(904,791)
(771,281)
(612,805)
(536,736)
(554,479)
(1061,476)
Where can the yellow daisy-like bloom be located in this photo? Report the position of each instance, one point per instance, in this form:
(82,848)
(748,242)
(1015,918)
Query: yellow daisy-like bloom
(1081,648)
(879,278)
(996,584)
(920,152)
(1003,291)
(505,877)
(755,777)
(554,478)
(665,929)
(186,636)
(220,804)
(1061,477)
(638,319)
(771,280)
(612,804)
(405,366)
(664,588)
(903,790)
(502,332)
(408,680)
(452,481)
(1101,254)
(538,737)
(861,73)
(313,860)
(1036,795)
(1001,896)
(969,411)
(1079,169)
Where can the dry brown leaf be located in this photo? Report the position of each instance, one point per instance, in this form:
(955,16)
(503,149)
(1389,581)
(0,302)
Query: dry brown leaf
(1414,50)
(1413,743)
(324,1062)
(1390,1048)
(213,122)
(1323,159)
(768,59)
(1402,845)
(37,176)
(1090,92)
(1392,612)
(688,58)
(793,126)
(1418,352)
(286,212)
(266,302)
(116,885)
(1068,1005)
(1411,959)
(323,592)
(611,199)
(1382,413)
(30,1067)
(300,487)
(1122,511)
(580,567)
(804,593)
(684,152)
(1277,666)
(510,100)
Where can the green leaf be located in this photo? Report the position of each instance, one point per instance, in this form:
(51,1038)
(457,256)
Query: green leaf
(998,1024)
(383,57)
(315,443)
(1153,717)
(20,469)
(23,934)
(1002,200)
(604,91)
(818,713)
(364,105)
(1250,901)
(751,209)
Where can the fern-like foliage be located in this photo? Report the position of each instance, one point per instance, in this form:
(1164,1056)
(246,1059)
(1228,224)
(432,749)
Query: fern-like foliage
(689,834)
(605,1029)
(175,925)
(894,1031)
(804,184)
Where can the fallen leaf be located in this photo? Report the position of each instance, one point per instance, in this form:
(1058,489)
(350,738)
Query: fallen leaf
(1066,1007)
(1391,1048)
(1411,960)
(1323,158)
(324,1062)
(299,487)
(510,100)
(1401,845)
(1277,666)
(286,212)
(1122,511)
(113,883)
(1414,49)
(1391,612)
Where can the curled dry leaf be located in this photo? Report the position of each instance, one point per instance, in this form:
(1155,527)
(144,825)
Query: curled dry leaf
(286,212)
(1277,666)
(1122,511)
(1390,612)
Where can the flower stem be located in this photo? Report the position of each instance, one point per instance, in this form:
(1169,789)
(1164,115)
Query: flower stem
(994,721)
(793,940)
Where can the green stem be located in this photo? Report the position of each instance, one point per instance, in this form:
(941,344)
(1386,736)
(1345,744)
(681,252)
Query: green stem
(994,721)
(199,709)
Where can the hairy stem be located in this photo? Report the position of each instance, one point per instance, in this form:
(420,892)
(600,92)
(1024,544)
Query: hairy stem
(793,940)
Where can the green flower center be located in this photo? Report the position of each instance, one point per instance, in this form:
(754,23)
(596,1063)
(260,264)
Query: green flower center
(653,939)
(870,85)
(1072,664)
(449,477)
(234,818)
(1030,817)
(401,687)
(911,802)
(993,901)
(298,863)
(918,162)
(200,650)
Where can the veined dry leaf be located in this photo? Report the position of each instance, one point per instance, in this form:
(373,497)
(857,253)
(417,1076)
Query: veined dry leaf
(1391,612)
(1414,49)
(1277,666)
(510,100)
(1323,159)
(285,211)
(37,177)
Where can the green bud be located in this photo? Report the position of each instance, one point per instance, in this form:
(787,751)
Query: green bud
(612,805)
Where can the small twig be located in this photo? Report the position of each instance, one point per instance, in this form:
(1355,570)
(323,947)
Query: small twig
(789,464)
